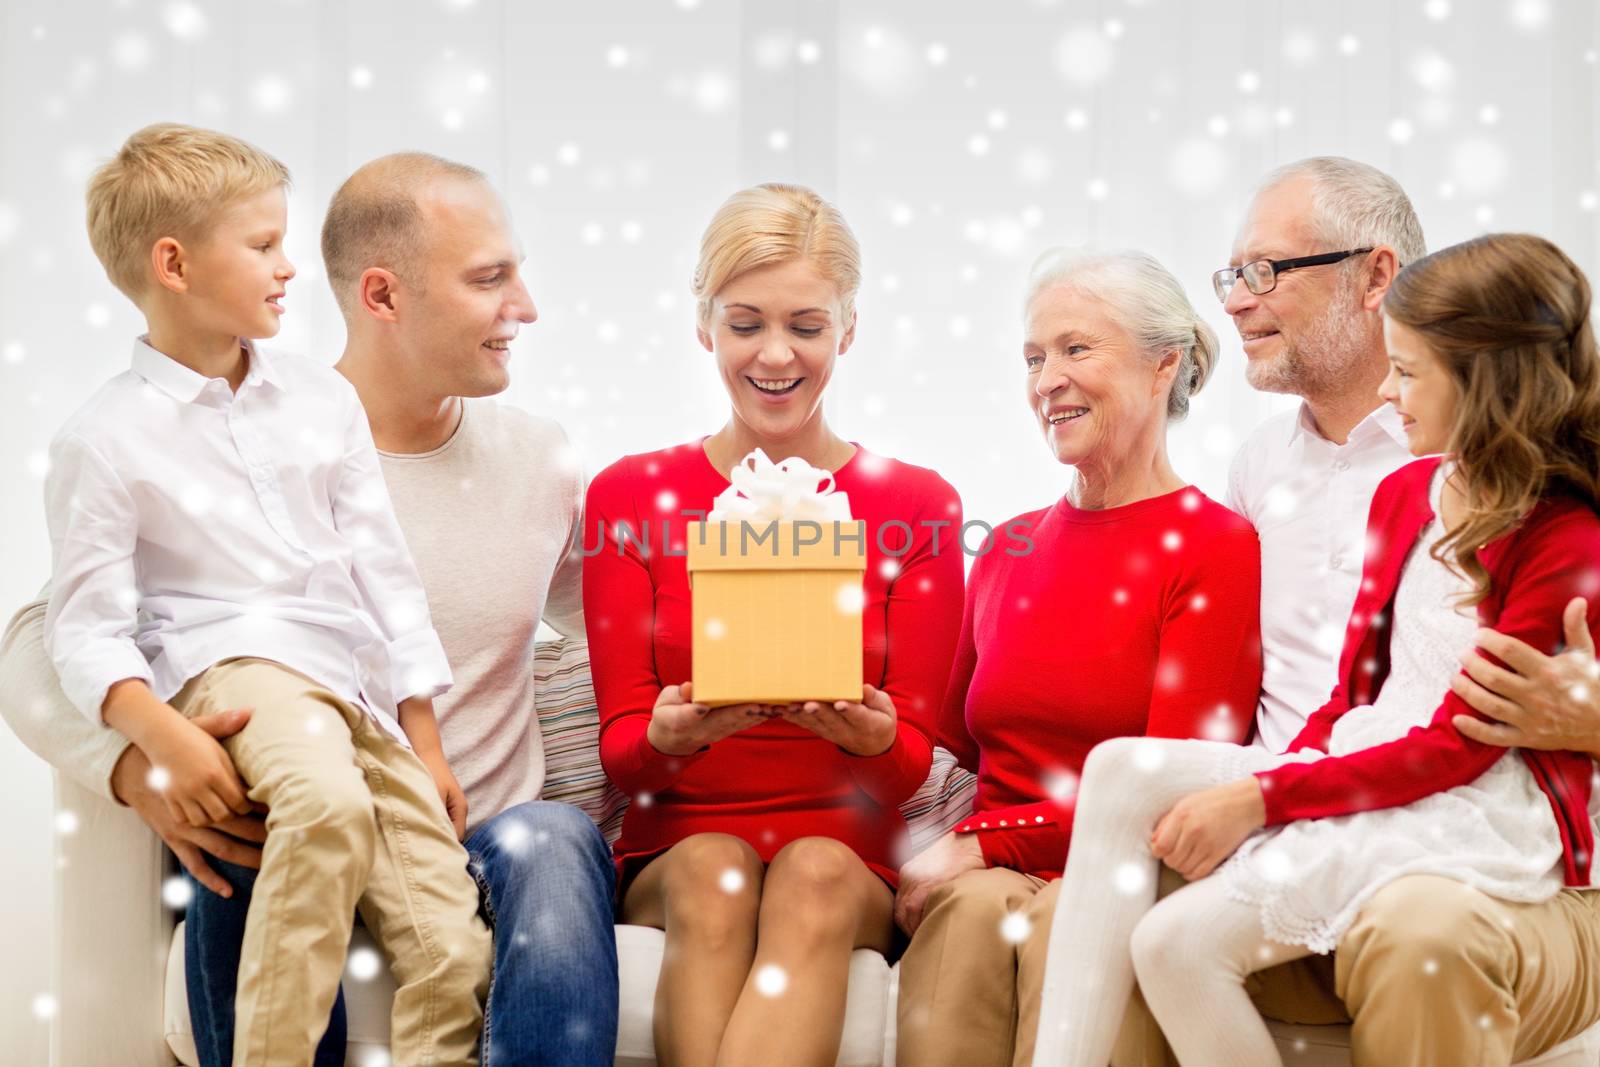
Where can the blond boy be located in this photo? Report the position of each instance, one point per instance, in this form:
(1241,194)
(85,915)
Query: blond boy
(223,539)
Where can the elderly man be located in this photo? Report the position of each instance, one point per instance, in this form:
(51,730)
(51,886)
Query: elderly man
(425,267)
(1432,972)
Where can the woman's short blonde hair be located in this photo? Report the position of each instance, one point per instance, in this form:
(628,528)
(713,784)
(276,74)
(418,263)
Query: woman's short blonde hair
(169,180)
(774,223)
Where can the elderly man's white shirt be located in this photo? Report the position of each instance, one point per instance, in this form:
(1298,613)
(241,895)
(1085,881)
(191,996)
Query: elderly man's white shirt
(191,524)
(1308,499)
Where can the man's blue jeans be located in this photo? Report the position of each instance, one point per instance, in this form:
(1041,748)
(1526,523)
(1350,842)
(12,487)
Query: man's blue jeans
(546,880)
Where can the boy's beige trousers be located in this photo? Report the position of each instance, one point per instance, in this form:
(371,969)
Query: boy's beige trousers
(354,821)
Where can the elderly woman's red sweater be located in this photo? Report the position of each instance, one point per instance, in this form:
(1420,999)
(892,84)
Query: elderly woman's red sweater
(1134,620)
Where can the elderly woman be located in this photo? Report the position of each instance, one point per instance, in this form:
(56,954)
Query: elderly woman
(761,839)
(1495,525)
(1134,613)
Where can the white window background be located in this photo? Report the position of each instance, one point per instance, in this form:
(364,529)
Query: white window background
(960,139)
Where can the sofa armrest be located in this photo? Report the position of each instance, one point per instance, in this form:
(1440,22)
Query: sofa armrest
(111,936)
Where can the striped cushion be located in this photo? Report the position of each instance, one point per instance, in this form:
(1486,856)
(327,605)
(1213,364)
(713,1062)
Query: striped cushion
(570,725)
(940,802)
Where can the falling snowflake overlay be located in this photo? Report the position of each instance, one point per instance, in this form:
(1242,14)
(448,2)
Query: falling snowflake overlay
(958,151)
(771,980)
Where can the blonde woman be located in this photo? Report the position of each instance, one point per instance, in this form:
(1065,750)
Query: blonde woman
(762,839)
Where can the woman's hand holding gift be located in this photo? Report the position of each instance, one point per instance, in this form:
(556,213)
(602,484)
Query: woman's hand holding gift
(862,728)
(680,727)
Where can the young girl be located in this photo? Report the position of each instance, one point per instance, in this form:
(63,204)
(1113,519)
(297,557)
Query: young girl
(1493,364)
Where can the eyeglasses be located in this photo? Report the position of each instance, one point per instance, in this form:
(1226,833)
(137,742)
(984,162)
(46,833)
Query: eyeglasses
(1261,276)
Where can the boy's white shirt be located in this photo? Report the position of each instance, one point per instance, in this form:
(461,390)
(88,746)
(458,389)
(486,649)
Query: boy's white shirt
(492,521)
(191,524)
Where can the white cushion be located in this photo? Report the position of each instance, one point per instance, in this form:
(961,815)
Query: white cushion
(1580,1051)
(868,1011)
(869,1022)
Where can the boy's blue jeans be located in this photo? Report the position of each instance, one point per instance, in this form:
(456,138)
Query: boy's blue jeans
(546,880)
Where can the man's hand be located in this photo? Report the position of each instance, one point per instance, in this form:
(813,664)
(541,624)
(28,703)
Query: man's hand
(862,728)
(947,859)
(236,839)
(680,727)
(1205,828)
(1540,702)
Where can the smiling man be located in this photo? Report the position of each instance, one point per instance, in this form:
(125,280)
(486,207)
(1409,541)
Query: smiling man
(1305,479)
(1432,972)
(426,269)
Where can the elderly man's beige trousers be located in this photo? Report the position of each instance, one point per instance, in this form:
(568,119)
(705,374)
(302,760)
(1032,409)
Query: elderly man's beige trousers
(1434,974)
(970,981)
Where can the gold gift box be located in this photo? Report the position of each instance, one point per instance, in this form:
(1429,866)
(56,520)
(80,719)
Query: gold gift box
(776,610)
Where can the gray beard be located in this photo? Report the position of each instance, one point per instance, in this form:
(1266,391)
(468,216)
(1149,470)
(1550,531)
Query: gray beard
(1318,362)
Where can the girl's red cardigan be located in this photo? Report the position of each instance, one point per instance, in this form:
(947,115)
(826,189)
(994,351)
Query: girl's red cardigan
(1551,557)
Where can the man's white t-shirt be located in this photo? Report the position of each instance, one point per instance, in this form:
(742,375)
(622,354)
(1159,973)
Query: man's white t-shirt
(492,518)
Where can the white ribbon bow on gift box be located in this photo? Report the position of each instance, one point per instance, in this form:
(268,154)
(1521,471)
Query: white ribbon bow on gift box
(791,491)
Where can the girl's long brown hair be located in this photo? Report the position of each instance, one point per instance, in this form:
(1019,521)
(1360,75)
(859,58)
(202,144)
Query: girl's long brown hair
(1507,315)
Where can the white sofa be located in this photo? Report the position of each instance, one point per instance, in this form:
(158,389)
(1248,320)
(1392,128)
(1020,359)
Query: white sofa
(118,952)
